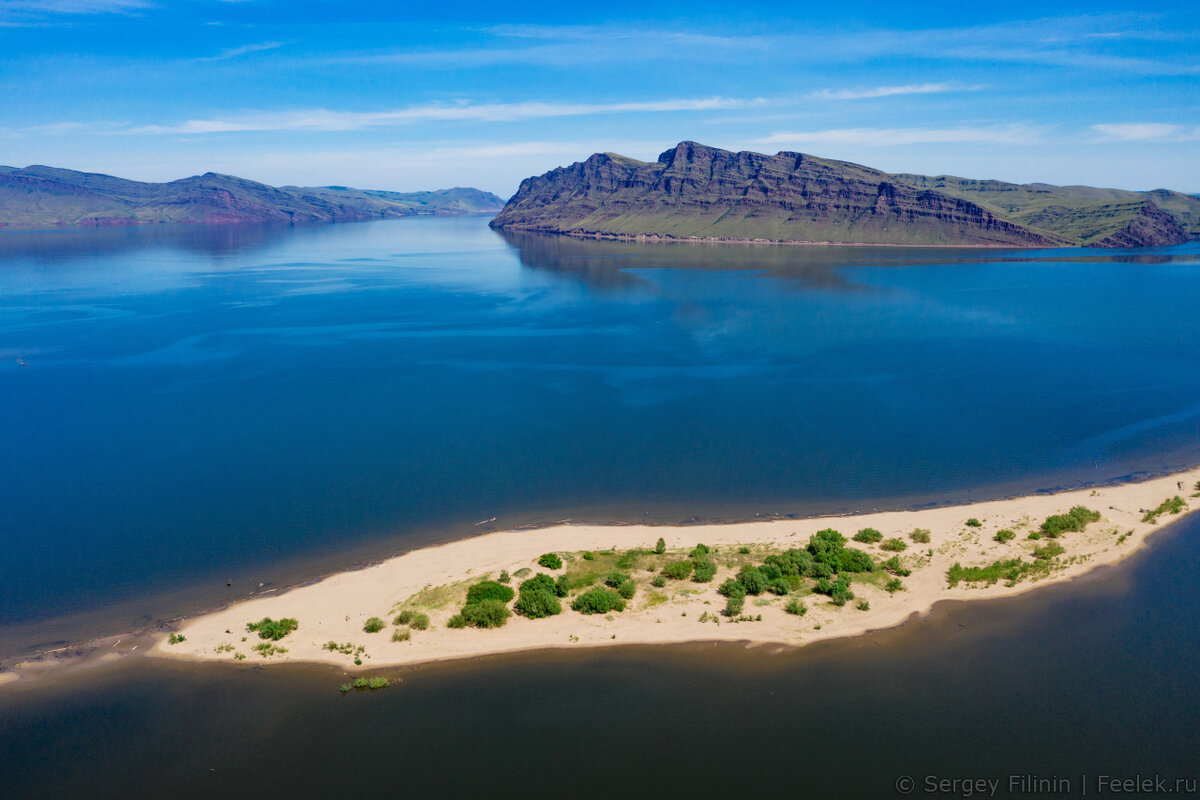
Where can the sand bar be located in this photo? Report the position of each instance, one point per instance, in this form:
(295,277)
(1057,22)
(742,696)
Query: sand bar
(434,580)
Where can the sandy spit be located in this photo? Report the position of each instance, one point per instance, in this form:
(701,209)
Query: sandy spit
(337,607)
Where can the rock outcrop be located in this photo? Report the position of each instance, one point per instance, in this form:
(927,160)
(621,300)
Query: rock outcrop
(697,192)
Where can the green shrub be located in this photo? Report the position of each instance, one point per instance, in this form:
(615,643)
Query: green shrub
(266,649)
(677,569)
(868,536)
(1173,505)
(420,621)
(734,606)
(549,561)
(974,523)
(660,546)
(770,571)
(405,617)
(562,586)
(401,635)
(698,552)
(704,571)
(599,601)
(863,605)
(268,628)
(779,586)
(894,545)
(489,590)
(360,683)
(176,638)
(743,550)
(819,569)
(504,576)
(732,588)
(796,607)
(894,566)
(1011,570)
(537,603)
(1035,534)
(588,555)
(894,585)
(1048,551)
(374,625)
(658,582)
(615,579)
(627,589)
(1004,535)
(457,621)
(544,583)
(487,613)
(851,560)
(377,683)
(1074,520)
(345,687)
(752,580)
(920,536)
(840,593)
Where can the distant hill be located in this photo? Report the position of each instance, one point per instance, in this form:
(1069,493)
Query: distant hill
(699,192)
(37,196)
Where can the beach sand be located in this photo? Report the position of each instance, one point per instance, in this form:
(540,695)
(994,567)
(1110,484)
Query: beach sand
(434,580)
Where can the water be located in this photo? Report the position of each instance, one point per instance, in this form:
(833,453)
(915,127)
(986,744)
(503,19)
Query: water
(262,404)
(1089,678)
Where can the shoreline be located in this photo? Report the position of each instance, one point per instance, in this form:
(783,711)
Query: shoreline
(663,238)
(433,580)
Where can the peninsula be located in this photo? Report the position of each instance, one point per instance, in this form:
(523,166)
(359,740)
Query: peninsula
(44,197)
(695,192)
(789,582)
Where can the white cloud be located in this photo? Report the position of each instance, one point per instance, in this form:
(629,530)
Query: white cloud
(74,6)
(321,119)
(887,137)
(245,49)
(1146,132)
(889,91)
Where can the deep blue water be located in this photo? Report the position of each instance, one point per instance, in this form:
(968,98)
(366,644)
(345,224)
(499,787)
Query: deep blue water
(203,404)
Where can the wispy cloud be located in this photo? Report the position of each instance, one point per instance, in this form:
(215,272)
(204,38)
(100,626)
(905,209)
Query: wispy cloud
(889,91)
(888,137)
(1146,132)
(245,49)
(73,6)
(320,119)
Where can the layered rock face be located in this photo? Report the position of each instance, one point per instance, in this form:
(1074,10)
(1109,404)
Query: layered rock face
(693,191)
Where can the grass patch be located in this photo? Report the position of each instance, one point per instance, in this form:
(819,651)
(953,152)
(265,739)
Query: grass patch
(868,536)
(974,523)
(374,625)
(920,536)
(176,638)
(894,545)
(796,607)
(402,635)
(1173,505)
(267,649)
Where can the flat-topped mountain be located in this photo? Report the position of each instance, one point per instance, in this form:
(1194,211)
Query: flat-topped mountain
(44,196)
(699,192)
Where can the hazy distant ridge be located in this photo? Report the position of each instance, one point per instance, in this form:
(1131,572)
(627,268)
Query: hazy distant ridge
(694,191)
(39,196)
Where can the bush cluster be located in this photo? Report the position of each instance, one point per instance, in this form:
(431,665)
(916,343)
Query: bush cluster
(486,606)
(539,597)
(678,570)
(489,590)
(268,628)
(1074,520)
(868,536)
(1004,536)
(598,601)
(413,619)
(549,561)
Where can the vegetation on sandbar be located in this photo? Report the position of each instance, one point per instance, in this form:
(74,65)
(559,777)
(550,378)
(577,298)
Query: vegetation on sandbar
(1173,505)
(268,628)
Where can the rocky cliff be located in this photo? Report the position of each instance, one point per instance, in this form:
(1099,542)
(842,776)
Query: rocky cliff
(698,192)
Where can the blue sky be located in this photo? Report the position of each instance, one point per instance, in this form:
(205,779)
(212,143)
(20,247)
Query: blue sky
(394,96)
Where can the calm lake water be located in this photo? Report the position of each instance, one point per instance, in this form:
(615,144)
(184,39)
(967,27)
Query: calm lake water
(258,404)
(262,404)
